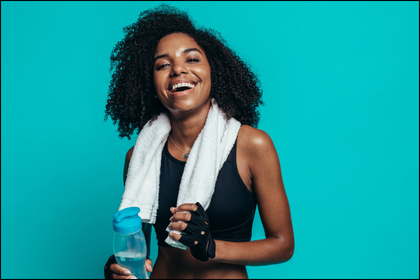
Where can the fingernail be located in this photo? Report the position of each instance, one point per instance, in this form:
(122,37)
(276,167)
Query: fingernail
(127,272)
(170,219)
(133,277)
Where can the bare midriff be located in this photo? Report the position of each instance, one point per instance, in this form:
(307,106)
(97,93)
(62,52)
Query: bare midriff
(176,263)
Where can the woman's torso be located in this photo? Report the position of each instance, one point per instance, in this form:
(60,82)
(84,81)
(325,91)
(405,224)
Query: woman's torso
(231,213)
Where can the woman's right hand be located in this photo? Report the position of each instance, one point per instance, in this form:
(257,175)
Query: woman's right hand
(119,272)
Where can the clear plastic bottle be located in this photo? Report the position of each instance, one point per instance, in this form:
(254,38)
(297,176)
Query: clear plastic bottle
(129,243)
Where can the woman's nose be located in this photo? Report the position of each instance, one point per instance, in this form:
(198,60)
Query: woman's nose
(178,68)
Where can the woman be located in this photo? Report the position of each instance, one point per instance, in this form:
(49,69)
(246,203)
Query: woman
(165,65)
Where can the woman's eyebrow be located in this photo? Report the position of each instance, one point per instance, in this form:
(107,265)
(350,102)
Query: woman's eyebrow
(160,56)
(192,49)
(185,51)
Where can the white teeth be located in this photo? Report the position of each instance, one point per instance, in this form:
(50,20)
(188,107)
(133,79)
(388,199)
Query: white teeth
(174,87)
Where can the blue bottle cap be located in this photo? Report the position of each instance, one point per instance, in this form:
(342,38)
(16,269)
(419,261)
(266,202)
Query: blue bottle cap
(127,220)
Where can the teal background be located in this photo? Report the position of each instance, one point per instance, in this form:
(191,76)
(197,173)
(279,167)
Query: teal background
(341,94)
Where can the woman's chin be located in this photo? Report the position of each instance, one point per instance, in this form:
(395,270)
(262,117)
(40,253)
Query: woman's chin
(187,105)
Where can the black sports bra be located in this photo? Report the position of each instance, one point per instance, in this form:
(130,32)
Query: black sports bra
(232,207)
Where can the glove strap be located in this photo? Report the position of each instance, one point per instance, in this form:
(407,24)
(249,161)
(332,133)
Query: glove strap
(107,269)
(211,250)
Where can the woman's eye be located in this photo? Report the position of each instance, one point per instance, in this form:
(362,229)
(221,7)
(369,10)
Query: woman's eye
(193,60)
(163,65)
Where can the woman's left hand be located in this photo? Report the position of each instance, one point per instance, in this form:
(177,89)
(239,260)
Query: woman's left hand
(196,230)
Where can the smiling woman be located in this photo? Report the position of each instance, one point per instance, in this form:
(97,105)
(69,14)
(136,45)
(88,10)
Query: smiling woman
(175,82)
(132,101)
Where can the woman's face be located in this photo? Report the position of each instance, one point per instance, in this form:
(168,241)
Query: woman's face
(181,75)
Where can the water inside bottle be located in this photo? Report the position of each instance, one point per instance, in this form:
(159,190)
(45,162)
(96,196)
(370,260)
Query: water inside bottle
(133,261)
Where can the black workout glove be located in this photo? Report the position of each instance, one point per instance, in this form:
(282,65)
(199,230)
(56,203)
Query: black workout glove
(197,235)
(107,270)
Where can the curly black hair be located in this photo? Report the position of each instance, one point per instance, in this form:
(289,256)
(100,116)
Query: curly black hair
(131,95)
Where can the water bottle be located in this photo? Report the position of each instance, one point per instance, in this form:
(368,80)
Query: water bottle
(129,243)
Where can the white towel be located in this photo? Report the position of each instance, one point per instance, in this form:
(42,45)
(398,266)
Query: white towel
(206,158)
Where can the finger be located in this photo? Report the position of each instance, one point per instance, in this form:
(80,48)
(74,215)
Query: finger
(149,265)
(200,211)
(119,270)
(184,217)
(179,226)
(175,236)
(172,209)
(186,207)
(199,207)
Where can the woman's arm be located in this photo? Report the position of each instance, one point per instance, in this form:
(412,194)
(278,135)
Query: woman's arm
(147,229)
(257,152)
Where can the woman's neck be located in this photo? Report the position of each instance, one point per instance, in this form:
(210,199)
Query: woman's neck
(185,130)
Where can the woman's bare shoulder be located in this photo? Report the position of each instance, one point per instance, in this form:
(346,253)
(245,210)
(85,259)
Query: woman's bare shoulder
(254,141)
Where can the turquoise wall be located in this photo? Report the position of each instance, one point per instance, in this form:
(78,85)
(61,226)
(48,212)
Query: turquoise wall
(341,94)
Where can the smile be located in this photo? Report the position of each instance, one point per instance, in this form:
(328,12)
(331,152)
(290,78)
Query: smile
(181,87)
(178,87)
